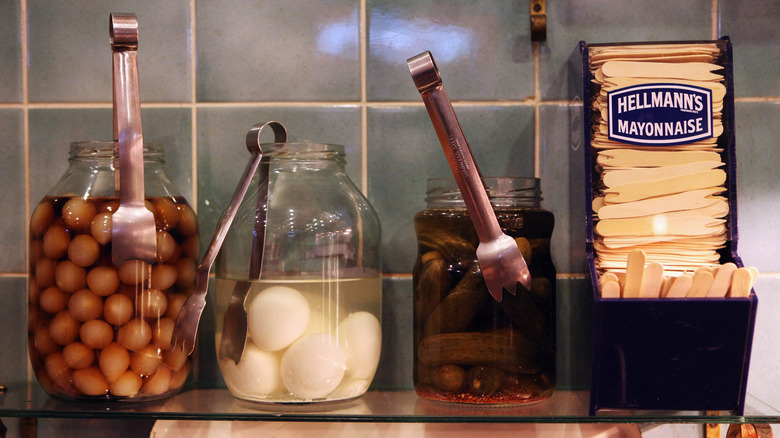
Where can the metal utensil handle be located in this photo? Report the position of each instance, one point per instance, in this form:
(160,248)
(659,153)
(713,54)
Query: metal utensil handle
(127,108)
(258,240)
(428,81)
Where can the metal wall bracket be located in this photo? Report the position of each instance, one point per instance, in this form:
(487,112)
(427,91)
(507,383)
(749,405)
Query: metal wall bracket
(538,20)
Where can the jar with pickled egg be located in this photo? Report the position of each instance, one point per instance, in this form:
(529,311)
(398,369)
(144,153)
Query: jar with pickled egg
(313,314)
(99,331)
(468,347)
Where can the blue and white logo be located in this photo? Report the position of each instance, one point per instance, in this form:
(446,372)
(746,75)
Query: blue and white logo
(660,114)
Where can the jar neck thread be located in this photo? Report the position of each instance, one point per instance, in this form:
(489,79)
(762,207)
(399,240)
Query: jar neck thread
(504,192)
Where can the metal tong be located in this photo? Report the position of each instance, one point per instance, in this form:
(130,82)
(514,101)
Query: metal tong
(234,322)
(185,331)
(133,232)
(502,264)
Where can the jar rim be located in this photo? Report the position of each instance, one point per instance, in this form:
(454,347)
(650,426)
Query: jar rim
(105,149)
(501,190)
(303,151)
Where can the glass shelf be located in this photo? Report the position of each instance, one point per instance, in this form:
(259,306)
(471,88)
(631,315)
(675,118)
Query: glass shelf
(29,400)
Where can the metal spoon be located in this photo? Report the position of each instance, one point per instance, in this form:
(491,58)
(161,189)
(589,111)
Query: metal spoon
(234,323)
(133,233)
(185,331)
(499,257)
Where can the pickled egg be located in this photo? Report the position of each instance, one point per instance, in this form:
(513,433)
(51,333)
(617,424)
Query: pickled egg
(360,334)
(77,355)
(151,303)
(188,222)
(159,382)
(313,366)
(118,309)
(126,385)
(90,381)
(55,241)
(69,276)
(146,360)
(43,342)
(83,250)
(175,302)
(103,280)
(166,213)
(85,305)
(56,367)
(41,218)
(44,271)
(162,333)
(276,317)
(78,213)
(257,373)
(163,276)
(134,272)
(64,328)
(186,271)
(53,299)
(180,376)
(175,358)
(166,246)
(113,361)
(135,334)
(101,227)
(96,334)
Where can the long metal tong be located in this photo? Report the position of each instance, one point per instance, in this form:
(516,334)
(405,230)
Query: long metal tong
(185,331)
(133,232)
(499,257)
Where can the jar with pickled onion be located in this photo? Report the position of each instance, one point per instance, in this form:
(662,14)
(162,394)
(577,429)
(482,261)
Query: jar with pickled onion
(99,331)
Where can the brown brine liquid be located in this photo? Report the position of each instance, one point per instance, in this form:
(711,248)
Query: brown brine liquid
(468,347)
(100,331)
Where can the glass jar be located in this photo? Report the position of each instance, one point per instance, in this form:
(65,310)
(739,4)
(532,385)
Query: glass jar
(468,347)
(313,316)
(98,331)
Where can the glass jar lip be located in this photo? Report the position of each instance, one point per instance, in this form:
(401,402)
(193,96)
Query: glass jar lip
(87,149)
(302,150)
(501,190)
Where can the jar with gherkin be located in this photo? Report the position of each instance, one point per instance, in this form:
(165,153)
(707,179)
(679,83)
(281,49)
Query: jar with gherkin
(468,347)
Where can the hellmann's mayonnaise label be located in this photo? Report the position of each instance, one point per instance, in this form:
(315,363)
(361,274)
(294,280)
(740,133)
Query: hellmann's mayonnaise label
(660,114)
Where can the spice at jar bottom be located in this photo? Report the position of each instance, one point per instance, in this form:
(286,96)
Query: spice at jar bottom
(470,348)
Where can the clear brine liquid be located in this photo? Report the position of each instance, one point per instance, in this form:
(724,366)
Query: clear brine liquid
(333,300)
(337,310)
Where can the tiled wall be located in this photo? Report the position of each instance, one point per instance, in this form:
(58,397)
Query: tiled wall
(335,71)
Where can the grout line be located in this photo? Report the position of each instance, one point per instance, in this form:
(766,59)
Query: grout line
(194,110)
(26,145)
(363,48)
(536,101)
(715,20)
(323,104)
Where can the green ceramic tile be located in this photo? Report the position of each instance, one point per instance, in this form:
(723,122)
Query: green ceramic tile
(574,328)
(222,153)
(572,21)
(10,52)
(13,343)
(52,131)
(259,51)
(562,180)
(395,364)
(752,27)
(13,220)
(765,356)
(481,48)
(403,152)
(69,52)
(757,184)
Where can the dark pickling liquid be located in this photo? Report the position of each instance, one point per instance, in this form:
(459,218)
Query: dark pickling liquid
(468,347)
(65,346)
